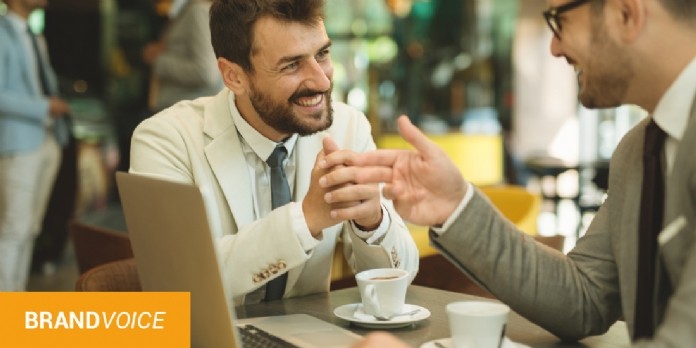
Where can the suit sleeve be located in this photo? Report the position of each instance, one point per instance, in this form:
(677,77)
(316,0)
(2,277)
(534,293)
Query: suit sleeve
(536,281)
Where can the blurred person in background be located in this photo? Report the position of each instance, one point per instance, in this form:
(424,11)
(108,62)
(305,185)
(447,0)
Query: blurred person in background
(33,129)
(183,63)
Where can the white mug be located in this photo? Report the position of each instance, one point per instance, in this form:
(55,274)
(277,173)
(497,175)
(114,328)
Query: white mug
(477,324)
(383,290)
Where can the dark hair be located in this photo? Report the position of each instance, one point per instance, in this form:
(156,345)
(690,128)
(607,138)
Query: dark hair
(232,23)
(681,9)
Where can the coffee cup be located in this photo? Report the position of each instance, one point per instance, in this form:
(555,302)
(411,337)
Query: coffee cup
(477,324)
(383,291)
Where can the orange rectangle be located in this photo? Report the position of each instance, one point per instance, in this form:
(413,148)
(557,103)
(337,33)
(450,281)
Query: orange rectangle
(95,319)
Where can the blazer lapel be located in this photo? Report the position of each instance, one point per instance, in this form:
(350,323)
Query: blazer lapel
(226,158)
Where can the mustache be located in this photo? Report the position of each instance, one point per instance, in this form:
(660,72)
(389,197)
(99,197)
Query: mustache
(305,93)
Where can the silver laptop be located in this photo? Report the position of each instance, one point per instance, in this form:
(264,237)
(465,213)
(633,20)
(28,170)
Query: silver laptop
(171,231)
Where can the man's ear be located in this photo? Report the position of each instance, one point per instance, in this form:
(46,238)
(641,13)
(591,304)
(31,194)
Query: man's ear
(631,16)
(234,77)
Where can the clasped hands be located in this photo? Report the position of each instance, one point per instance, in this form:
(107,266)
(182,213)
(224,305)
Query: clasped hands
(357,202)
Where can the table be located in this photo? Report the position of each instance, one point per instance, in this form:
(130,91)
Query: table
(518,329)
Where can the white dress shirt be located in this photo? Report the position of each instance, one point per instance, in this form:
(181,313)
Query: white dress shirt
(257,148)
(673,110)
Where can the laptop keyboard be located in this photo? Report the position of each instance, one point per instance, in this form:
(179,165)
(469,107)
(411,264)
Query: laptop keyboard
(253,337)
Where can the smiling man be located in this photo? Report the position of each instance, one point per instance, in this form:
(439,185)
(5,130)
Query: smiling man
(637,260)
(274,57)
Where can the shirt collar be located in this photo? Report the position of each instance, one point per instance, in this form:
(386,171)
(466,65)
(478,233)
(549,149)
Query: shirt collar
(19,23)
(674,108)
(262,146)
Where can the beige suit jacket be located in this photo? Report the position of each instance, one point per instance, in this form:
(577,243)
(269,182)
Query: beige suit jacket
(197,142)
(586,292)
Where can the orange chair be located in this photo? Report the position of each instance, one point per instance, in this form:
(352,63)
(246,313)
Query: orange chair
(121,275)
(516,203)
(95,245)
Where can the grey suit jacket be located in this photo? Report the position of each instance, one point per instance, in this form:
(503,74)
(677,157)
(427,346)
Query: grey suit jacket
(586,292)
(198,142)
(23,113)
(187,69)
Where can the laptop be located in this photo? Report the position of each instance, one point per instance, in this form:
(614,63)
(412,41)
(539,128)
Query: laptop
(171,229)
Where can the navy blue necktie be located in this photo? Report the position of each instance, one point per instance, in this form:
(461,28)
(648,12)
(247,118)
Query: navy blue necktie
(280,195)
(651,211)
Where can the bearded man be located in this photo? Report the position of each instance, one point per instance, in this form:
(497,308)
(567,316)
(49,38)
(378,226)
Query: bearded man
(274,57)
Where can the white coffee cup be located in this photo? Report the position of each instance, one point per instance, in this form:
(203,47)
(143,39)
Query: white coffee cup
(477,324)
(383,290)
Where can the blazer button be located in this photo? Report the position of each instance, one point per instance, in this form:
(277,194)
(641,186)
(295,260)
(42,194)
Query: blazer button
(266,274)
(281,264)
(256,278)
(273,268)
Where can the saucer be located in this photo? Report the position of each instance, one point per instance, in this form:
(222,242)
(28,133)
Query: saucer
(447,343)
(354,313)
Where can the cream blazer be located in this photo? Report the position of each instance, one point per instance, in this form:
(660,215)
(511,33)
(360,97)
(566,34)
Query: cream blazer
(197,142)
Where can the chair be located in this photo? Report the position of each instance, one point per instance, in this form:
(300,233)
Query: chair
(121,275)
(95,245)
(516,203)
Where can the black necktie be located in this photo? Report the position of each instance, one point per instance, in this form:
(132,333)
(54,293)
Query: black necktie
(280,195)
(39,63)
(651,211)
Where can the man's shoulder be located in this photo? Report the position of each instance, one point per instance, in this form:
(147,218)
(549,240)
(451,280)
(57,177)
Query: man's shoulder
(350,128)
(635,134)
(6,30)
(630,148)
(345,115)
(184,115)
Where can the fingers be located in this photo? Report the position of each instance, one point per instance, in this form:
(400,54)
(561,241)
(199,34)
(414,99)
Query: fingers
(367,211)
(357,175)
(352,193)
(385,157)
(389,191)
(416,138)
(330,145)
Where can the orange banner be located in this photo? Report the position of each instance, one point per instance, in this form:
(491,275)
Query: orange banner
(95,319)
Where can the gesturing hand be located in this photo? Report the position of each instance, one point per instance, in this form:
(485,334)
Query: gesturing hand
(424,184)
(360,202)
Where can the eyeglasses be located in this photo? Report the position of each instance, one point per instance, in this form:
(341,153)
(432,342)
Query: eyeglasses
(553,15)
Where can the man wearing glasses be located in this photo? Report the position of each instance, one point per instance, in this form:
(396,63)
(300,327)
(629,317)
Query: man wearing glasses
(637,261)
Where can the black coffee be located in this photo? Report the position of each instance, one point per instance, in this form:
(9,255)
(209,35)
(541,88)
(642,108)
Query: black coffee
(384,278)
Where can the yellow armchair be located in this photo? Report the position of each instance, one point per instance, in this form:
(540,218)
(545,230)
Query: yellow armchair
(516,203)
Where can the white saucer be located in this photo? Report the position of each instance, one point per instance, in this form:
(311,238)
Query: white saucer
(447,343)
(354,313)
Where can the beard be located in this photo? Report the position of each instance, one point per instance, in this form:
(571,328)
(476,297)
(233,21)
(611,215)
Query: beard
(281,117)
(608,72)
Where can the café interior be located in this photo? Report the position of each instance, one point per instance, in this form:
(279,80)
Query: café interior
(476,76)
